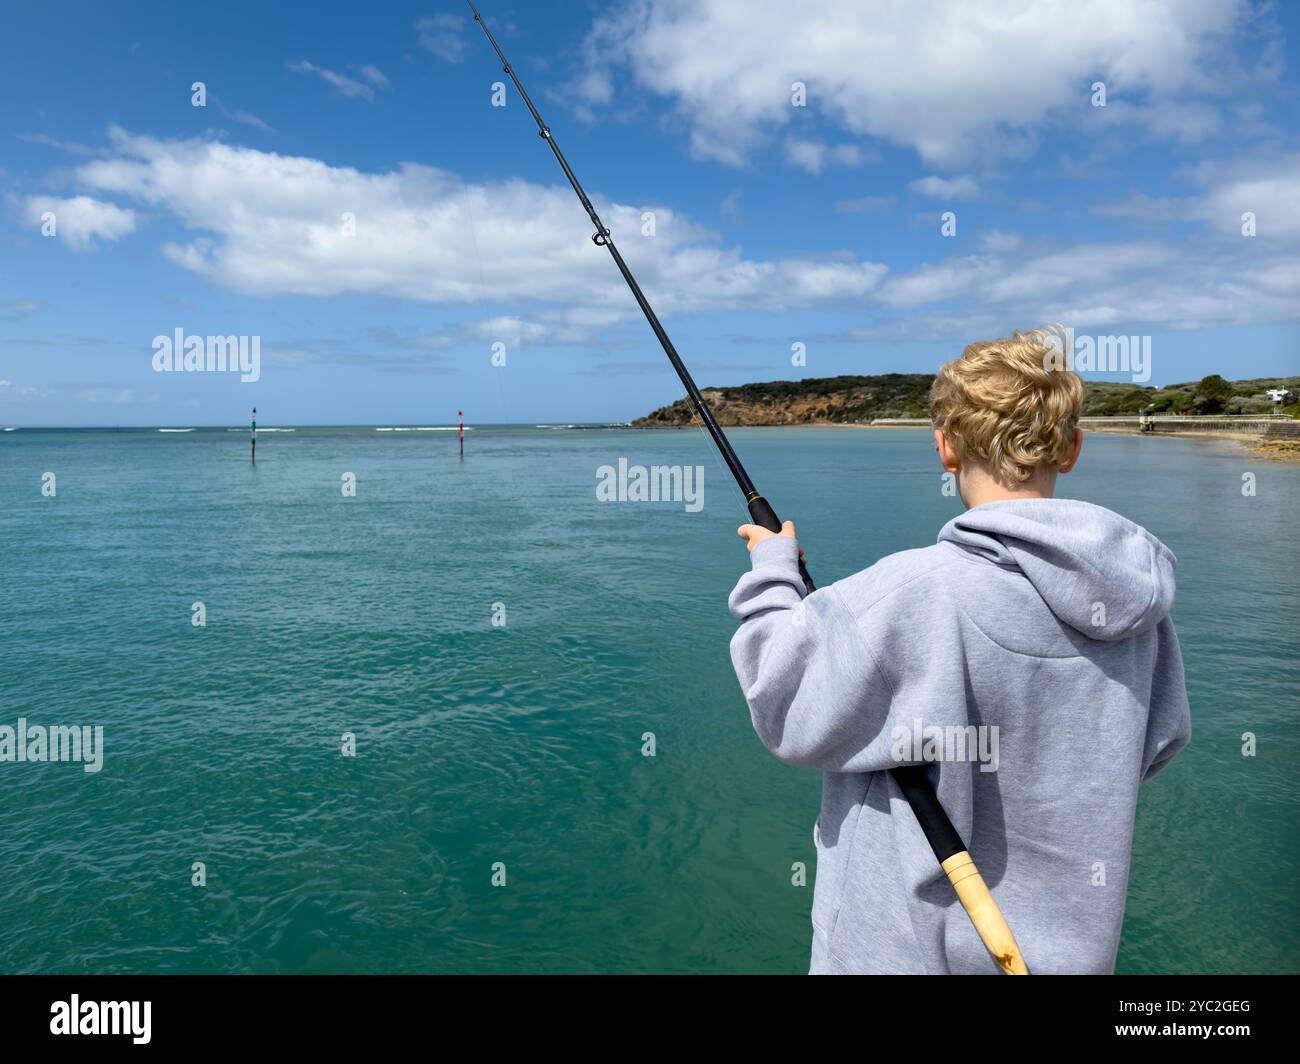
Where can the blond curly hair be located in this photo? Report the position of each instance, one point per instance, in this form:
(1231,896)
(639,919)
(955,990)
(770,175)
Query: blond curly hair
(1010,403)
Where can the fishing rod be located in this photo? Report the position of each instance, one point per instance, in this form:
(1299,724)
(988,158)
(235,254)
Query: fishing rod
(949,849)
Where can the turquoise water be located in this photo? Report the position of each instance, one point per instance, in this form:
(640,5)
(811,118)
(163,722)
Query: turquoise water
(522,744)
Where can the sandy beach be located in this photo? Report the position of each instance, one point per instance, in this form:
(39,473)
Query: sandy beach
(1280,449)
(1276,448)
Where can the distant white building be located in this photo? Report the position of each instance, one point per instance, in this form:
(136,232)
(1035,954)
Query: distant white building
(1278,394)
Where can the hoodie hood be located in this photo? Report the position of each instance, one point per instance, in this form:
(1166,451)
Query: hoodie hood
(1098,572)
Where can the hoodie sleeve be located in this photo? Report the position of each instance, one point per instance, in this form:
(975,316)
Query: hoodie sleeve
(1169,722)
(816,695)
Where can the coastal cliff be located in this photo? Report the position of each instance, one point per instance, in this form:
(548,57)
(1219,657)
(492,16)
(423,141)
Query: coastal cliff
(815,401)
(858,400)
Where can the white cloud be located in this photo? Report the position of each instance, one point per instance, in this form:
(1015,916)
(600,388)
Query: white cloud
(269,224)
(80,220)
(812,155)
(53,142)
(1214,277)
(950,188)
(1125,285)
(509,329)
(998,240)
(951,79)
(108,396)
(24,393)
(867,205)
(1183,121)
(929,283)
(249,119)
(1143,208)
(443,36)
(345,85)
(1269,189)
(1263,186)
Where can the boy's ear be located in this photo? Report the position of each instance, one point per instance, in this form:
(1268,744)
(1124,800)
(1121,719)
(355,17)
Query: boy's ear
(1075,448)
(948,456)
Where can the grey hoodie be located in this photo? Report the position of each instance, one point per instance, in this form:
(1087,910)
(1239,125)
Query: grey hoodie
(1045,625)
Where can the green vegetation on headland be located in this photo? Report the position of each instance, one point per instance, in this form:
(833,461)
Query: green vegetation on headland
(850,400)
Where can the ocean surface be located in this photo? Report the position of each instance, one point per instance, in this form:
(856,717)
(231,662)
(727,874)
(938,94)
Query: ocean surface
(516,749)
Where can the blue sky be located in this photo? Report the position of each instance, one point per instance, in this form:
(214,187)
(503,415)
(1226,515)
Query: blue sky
(774,224)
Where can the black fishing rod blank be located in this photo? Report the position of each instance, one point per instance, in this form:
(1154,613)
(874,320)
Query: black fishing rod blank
(759,509)
(943,838)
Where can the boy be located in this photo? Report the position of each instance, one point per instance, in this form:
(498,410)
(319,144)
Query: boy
(1041,625)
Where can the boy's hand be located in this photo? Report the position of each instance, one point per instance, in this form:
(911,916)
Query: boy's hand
(755,534)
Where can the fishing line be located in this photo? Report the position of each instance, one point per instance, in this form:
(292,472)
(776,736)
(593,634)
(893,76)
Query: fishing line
(912,780)
(503,406)
(698,425)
